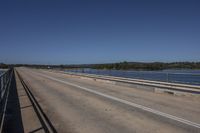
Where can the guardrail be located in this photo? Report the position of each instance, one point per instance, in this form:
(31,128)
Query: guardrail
(187,77)
(5,80)
(173,88)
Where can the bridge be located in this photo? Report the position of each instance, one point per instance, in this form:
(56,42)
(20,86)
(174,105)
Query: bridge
(50,101)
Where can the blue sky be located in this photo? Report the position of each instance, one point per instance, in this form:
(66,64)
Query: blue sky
(99,31)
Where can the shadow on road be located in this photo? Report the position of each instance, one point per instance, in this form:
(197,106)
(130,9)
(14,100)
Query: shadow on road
(13,119)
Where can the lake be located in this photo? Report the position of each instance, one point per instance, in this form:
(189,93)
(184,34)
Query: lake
(174,76)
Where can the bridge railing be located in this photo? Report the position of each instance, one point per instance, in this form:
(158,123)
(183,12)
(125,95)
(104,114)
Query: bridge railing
(190,78)
(156,85)
(5,80)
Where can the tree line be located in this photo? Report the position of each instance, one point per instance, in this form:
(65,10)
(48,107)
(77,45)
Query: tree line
(117,66)
(148,66)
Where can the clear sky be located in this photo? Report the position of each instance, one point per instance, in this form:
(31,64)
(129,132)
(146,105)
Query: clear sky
(99,31)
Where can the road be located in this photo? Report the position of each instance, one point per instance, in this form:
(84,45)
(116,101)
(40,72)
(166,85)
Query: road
(77,105)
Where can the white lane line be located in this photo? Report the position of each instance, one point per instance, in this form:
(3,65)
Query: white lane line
(175,118)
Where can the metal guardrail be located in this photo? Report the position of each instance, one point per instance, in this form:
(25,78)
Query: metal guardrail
(141,81)
(190,78)
(162,85)
(5,80)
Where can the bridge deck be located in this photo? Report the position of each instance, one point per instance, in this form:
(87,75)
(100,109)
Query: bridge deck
(80,105)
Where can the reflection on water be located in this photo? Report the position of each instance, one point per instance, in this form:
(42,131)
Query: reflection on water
(176,76)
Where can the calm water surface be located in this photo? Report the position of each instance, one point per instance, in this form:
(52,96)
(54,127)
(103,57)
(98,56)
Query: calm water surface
(175,76)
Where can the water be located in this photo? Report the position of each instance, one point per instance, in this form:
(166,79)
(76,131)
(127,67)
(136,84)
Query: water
(175,76)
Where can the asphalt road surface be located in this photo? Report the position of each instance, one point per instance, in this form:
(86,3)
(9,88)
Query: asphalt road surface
(77,105)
